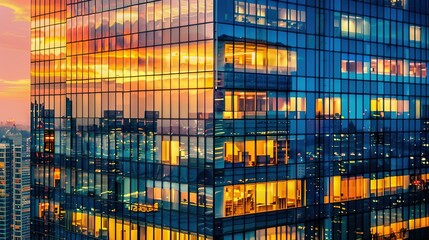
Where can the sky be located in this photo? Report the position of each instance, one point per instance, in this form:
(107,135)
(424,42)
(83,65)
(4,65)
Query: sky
(15,60)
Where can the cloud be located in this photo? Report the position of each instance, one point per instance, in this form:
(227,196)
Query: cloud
(15,59)
(21,8)
(14,88)
(15,82)
(14,45)
(15,34)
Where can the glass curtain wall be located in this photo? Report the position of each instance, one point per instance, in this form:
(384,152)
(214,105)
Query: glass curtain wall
(220,119)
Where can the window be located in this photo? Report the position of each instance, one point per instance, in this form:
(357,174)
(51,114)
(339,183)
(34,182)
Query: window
(328,107)
(98,226)
(418,70)
(415,33)
(397,3)
(292,18)
(387,105)
(271,15)
(261,197)
(255,152)
(354,26)
(352,66)
(389,185)
(347,189)
(49,141)
(241,104)
(48,210)
(387,66)
(252,57)
(170,153)
(419,182)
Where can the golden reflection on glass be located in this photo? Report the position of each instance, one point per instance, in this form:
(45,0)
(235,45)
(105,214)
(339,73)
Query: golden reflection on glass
(179,58)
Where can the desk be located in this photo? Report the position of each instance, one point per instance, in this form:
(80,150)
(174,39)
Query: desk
(265,208)
(281,203)
(291,203)
(233,208)
(262,160)
(232,158)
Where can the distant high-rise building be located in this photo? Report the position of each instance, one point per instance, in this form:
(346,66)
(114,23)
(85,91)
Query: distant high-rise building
(6,184)
(14,187)
(230,119)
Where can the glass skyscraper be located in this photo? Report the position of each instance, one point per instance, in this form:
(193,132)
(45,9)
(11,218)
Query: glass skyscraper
(230,119)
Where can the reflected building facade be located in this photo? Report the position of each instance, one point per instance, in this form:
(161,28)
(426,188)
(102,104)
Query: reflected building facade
(219,119)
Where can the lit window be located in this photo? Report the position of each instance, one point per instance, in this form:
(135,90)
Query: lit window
(415,33)
(170,153)
(418,70)
(297,104)
(389,185)
(49,141)
(48,210)
(255,152)
(354,26)
(401,229)
(241,104)
(328,107)
(57,176)
(277,102)
(397,3)
(262,197)
(382,105)
(291,18)
(271,15)
(387,66)
(95,225)
(258,57)
(351,66)
(345,189)
(419,182)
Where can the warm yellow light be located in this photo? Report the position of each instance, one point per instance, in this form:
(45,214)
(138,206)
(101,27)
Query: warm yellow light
(170,152)
(415,33)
